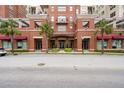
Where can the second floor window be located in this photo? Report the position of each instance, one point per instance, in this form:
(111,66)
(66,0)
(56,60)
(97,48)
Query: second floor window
(61,28)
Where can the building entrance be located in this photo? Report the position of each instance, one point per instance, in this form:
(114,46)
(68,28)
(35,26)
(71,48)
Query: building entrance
(62,43)
(38,44)
(85,44)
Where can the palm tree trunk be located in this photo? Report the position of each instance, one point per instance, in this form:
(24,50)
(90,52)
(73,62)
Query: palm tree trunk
(12,45)
(102,43)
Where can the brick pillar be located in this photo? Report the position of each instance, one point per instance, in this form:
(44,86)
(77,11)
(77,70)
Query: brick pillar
(66,43)
(75,44)
(31,44)
(14,44)
(91,23)
(43,44)
(95,43)
(49,44)
(57,43)
(122,44)
(79,44)
(32,25)
(91,44)
(0,43)
(109,44)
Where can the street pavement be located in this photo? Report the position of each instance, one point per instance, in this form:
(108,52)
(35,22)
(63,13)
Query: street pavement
(62,71)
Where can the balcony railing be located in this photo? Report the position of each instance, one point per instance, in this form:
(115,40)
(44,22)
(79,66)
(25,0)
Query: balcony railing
(35,16)
(56,33)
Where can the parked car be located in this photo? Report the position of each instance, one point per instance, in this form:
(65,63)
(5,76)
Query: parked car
(3,52)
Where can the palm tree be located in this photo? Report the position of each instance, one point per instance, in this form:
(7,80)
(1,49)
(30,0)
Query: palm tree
(48,31)
(8,27)
(104,28)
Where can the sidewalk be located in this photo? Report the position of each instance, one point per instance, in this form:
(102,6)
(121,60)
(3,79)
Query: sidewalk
(73,52)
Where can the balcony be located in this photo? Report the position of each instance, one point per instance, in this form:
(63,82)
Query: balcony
(87,16)
(36,16)
(63,34)
(61,20)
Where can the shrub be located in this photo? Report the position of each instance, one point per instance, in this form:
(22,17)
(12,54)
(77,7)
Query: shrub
(20,50)
(55,50)
(68,49)
(113,51)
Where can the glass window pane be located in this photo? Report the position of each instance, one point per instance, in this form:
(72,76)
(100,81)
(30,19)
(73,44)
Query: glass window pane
(117,44)
(61,28)
(85,24)
(6,44)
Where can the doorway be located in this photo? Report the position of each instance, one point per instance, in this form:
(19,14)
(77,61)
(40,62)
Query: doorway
(62,43)
(85,44)
(38,44)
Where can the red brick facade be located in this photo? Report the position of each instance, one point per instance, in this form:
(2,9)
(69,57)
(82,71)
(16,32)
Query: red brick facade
(12,11)
(78,37)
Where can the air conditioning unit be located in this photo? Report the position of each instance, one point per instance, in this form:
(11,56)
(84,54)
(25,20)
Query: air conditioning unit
(62,20)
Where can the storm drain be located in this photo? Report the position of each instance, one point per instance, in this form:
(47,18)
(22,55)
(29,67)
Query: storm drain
(41,64)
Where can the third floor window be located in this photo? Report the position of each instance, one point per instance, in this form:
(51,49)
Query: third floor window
(61,8)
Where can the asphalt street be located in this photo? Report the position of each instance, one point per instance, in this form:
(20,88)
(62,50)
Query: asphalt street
(62,71)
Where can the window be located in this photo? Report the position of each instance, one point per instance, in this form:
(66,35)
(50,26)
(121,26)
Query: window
(71,23)
(62,19)
(102,13)
(61,8)
(32,10)
(52,25)
(52,8)
(91,10)
(112,6)
(62,28)
(116,44)
(85,24)
(6,44)
(21,45)
(70,26)
(113,14)
(99,44)
(70,8)
(11,7)
(77,11)
(71,18)
(52,18)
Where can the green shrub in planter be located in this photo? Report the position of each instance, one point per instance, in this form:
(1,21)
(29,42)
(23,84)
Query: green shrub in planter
(55,50)
(111,51)
(20,50)
(68,49)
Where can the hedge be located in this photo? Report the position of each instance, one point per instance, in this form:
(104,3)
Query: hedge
(55,50)
(68,49)
(20,50)
(113,51)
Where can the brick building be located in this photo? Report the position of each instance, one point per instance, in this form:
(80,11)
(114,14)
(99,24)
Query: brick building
(71,29)
(12,11)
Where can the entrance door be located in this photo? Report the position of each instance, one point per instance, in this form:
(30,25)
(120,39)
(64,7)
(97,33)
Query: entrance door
(38,44)
(85,44)
(62,44)
(52,42)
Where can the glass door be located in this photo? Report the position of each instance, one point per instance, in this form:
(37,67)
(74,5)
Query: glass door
(85,44)
(38,44)
(62,44)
